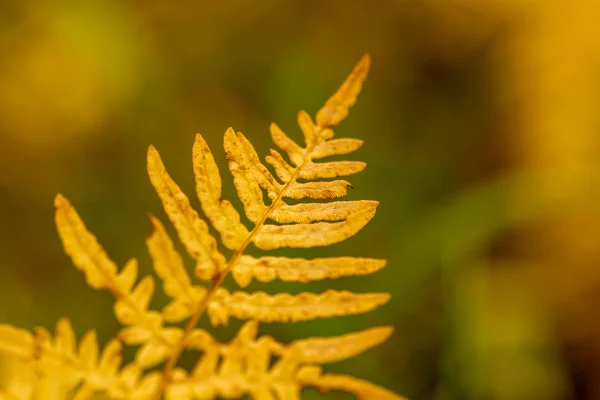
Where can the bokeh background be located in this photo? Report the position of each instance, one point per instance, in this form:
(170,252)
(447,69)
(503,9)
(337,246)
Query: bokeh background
(481,122)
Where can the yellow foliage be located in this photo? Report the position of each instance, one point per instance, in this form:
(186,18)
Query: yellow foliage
(58,367)
(243,367)
(284,307)
(192,230)
(208,187)
(265,269)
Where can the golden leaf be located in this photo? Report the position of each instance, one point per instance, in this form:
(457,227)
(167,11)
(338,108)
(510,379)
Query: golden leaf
(363,390)
(158,347)
(318,190)
(309,130)
(64,363)
(88,349)
(17,342)
(170,268)
(331,169)
(283,170)
(87,254)
(248,189)
(220,212)
(193,231)
(310,212)
(284,307)
(286,144)
(333,349)
(265,269)
(335,147)
(336,108)
(143,292)
(128,275)
(22,383)
(243,367)
(263,176)
(131,305)
(310,235)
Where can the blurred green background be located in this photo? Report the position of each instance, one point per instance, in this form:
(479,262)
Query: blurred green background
(481,128)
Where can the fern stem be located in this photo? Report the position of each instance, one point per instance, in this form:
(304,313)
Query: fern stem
(223,274)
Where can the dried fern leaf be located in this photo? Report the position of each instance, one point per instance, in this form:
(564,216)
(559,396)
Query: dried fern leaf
(318,190)
(50,386)
(192,230)
(244,177)
(199,339)
(87,254)
(331,169)
(263,176)
(136,386)
(283,170)
(53,381)
(335,147)
(294,152)
(176,281)
(309,212)
(309,130)
(284,307)
(168,263)
(221,213)
(311,235)
(363,390)
(244,366)
(336,108)
(142,327)
(131,305)
(156,350)
(333,349)
(266,269)
(65,363)
(22,383)
(16,342)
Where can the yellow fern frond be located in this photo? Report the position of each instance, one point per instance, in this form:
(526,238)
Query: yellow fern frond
(65,367)
(244,367)
(22,383)
(17,342)
(249,365)
(143,326)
